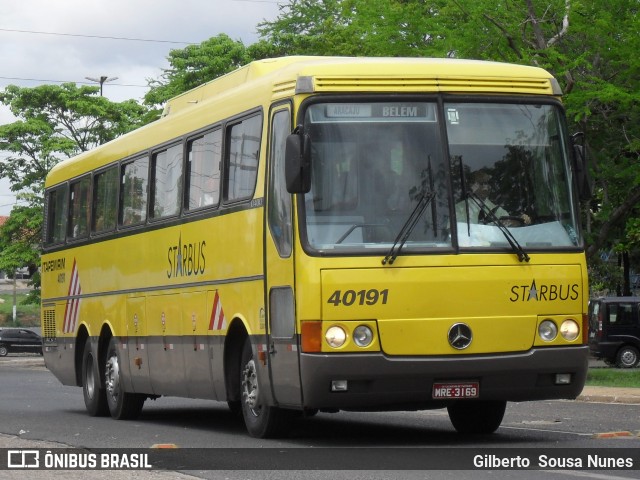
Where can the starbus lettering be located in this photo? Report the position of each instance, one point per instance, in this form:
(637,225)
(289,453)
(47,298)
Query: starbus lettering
(186,260)
(544,292)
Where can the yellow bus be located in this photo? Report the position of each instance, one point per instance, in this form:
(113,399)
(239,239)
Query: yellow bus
(313,234)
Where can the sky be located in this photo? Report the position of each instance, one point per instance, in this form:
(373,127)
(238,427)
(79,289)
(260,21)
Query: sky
(51,42)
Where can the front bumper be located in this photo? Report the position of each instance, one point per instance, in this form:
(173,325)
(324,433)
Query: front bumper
(377,381)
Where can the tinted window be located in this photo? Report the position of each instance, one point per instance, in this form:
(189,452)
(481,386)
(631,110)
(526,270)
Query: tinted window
(279,199)
(79,208)
(134,181)
(105,200)
(203,170)
(56,215)
(167,182)
(622,314)
(242,160)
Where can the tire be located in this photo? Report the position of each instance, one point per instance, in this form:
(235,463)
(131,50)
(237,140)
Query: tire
(4,351)
(122,405)
(262,421)
(627,357)
(481,417)
(95,399)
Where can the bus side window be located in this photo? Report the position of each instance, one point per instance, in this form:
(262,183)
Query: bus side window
(105,200)
(79,208)
(133,191)
(56,216)
(279,211)
(204,156)
(167,182)
(243,153)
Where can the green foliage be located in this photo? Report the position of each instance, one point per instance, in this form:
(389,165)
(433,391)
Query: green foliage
(197,64)
(53,122)
(590,46)
(19,242)
(614,377)
(56,122)
(27,311)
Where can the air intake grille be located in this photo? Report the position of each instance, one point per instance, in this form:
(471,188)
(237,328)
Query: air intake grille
(49,326)
(433,84)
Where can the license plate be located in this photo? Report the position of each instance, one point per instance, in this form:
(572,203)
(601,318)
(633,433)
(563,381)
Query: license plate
(445,390)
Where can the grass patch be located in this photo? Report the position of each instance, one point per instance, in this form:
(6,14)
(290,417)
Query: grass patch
(614,377)
(27,315)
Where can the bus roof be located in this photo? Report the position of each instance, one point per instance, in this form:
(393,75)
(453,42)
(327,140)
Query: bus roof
(271,79)
(376,74)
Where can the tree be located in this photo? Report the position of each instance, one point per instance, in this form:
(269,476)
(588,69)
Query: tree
(197,64)
(53,123)
(352,27)
(19,239)
(588,45)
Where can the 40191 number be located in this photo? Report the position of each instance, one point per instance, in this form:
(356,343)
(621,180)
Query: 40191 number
(360,297)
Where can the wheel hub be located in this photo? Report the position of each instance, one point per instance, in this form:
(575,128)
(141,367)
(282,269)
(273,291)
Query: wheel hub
(250,386)
(112,376)
(628,357)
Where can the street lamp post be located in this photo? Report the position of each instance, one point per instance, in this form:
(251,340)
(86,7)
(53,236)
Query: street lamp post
(101,80)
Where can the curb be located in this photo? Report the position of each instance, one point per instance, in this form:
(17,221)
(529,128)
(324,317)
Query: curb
(628,396)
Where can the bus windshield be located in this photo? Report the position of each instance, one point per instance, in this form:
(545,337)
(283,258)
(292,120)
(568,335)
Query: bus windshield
(477,175)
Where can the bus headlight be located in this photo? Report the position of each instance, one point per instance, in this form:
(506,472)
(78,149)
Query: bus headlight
(547,330)
(569,330)
(362,336)
(335,336)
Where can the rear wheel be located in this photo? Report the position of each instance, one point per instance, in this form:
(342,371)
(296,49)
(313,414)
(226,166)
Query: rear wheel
(627,357)
(122,405)
(3,351)
(477,417)
(95,399)
(262,421)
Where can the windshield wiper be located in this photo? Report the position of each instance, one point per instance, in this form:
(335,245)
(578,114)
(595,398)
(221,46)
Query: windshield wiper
(408,227)
(491,215)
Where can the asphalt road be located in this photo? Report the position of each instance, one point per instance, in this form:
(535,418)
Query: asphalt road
(36,411)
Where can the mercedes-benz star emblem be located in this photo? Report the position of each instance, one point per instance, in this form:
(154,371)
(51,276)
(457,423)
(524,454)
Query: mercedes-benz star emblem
(460,336)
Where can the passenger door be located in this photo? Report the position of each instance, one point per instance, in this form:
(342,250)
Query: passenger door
(282,338)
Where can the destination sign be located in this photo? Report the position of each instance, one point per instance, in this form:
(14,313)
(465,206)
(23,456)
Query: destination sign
(399,111)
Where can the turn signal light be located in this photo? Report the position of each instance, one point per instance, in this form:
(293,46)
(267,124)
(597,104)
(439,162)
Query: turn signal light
(311,332)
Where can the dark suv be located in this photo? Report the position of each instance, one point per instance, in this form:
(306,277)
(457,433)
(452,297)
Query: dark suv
(19,340)
(614,330)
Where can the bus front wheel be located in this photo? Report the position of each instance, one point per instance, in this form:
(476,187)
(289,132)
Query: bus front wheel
(262,421)
(122,405)
(477,417)
(95,399)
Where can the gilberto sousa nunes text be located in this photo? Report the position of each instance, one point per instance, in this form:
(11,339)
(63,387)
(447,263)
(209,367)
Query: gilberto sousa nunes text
(546,461)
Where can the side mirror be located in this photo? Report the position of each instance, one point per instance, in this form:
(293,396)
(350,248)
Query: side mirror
(581,167)
(298,163)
